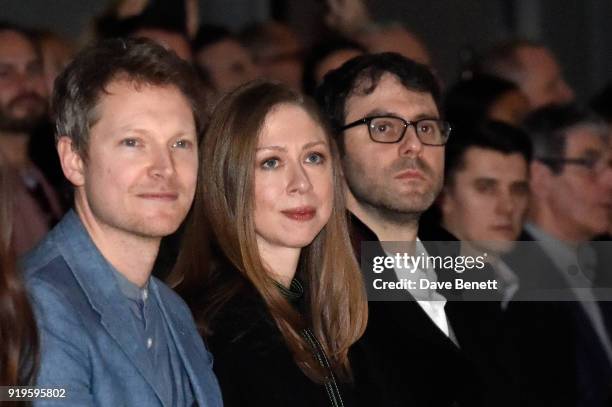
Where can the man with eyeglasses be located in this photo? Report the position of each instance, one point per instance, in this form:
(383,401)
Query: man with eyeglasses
(385,117)
(563,328)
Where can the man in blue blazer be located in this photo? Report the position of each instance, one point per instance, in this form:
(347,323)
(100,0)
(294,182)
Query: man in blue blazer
(127,117)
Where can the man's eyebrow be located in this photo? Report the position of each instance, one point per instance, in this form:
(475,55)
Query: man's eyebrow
(485,179)
(422,115)
(380,112)
(128,128)
(591,151)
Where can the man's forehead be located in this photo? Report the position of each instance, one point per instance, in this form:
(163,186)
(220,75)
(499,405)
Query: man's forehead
(388,95)
(490,160)
(588,136)
(14,42)
(10,39)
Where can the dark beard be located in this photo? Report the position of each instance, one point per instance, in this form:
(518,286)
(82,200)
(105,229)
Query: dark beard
(26,124)
(388,213)
(19,126)
(375,202)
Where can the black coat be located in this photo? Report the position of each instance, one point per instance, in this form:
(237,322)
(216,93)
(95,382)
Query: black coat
(254,365)
(404,359)
(562,359)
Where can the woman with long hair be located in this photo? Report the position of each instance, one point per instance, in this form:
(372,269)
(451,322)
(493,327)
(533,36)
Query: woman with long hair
(278,294)
(18,334)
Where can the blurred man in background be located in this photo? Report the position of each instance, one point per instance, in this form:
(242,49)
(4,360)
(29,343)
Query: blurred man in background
(23,108)
(533,67)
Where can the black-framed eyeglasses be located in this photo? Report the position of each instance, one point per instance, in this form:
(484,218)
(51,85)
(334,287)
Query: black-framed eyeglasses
(391,129)
(594,163)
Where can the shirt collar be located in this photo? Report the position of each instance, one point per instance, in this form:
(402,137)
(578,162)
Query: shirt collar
(83,251)
(130,290)
(555,248)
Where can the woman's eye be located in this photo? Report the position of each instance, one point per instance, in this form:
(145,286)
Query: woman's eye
(315,158)
(270,163)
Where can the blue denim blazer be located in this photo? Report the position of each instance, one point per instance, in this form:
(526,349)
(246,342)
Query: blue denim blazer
(89,342)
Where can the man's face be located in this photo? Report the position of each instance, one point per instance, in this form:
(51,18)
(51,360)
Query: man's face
(542,80)
(22,87)
(581,198)
(281,61)
(487,198)
(393,179)
(140,174)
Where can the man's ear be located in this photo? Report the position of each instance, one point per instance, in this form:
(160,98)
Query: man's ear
(443,201)
(540,177)
(72,162)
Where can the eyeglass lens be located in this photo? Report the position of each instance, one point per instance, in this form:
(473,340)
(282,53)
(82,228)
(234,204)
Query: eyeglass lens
(391,130)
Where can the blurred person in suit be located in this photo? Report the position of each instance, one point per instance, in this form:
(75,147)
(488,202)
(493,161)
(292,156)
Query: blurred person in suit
(23,110)
(532,66)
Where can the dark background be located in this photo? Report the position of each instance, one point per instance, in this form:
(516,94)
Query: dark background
(578,32)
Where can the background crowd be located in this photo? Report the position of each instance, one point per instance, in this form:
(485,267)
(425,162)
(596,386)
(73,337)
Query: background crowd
(525,161)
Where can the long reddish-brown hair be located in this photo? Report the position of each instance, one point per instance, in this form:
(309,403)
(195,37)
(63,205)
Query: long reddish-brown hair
(335,296)
(18,334)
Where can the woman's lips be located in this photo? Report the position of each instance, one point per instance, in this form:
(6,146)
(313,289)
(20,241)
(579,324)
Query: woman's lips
(303,213)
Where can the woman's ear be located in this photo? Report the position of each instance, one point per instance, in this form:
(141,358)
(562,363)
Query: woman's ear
(71,161)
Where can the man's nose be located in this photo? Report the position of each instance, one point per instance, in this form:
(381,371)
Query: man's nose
(162,163)
(410,144)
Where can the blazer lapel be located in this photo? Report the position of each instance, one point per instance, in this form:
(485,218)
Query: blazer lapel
(91,271)
(190,347)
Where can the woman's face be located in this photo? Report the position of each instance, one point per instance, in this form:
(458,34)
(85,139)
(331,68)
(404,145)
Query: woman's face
(293,180)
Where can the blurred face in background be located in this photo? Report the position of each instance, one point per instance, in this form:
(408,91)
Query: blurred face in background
(486,199)
(281,59)
(580,196)
(56,54)
(511,108)
(396,39)
(22,88)
(228,64)
(333,61)
(541,79)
